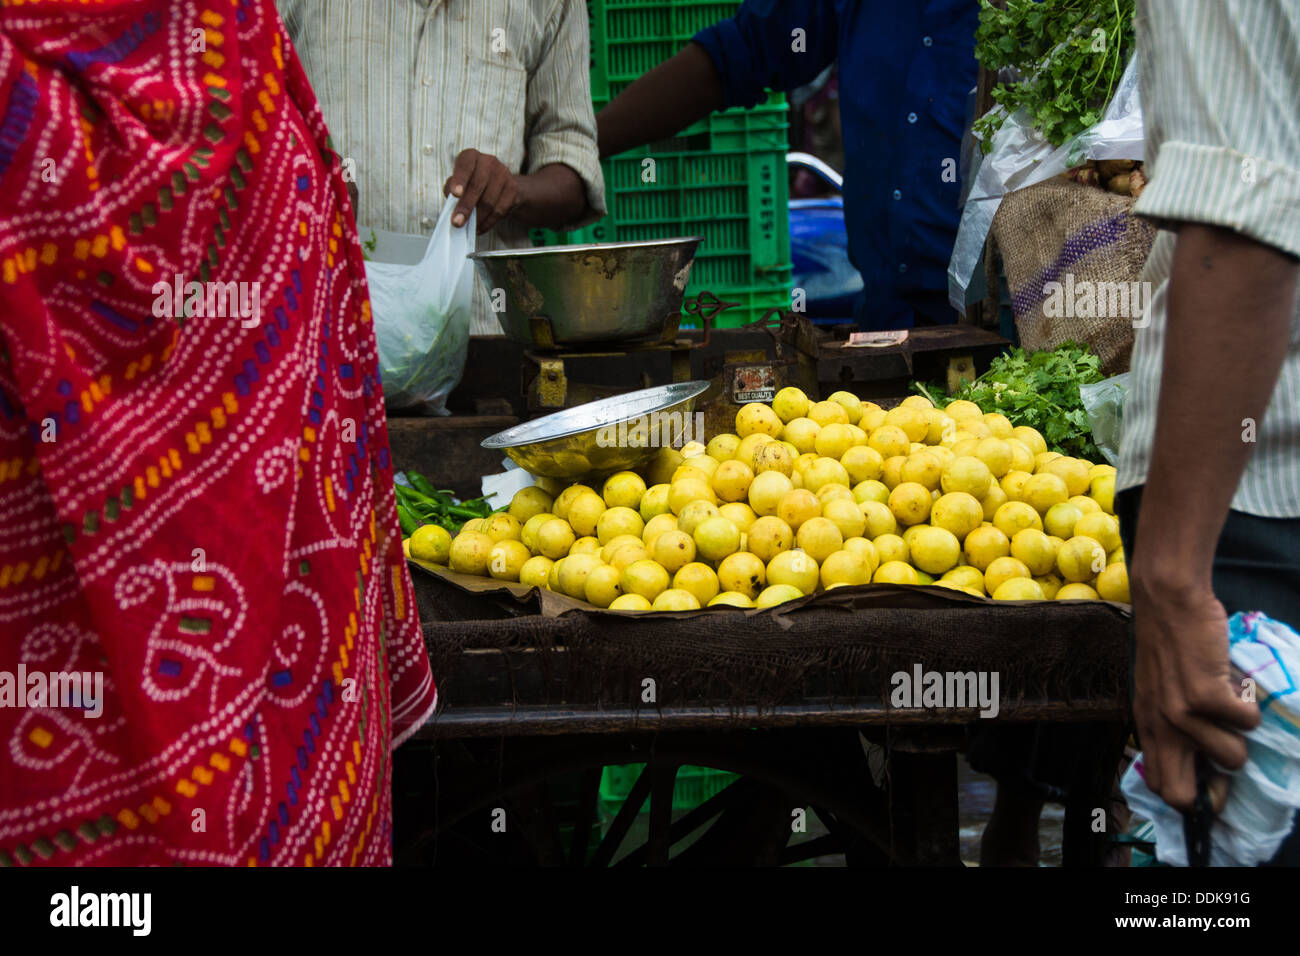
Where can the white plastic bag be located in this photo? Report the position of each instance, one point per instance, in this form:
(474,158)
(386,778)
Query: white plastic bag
(1264,794)
(1021,156)
(422,312)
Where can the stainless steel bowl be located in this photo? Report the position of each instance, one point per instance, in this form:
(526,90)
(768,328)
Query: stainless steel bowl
(603,437)
(597,292)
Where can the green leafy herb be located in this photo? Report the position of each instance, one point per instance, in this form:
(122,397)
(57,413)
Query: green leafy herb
(1038,389)
(420,503)
(1070,53)
(368,246)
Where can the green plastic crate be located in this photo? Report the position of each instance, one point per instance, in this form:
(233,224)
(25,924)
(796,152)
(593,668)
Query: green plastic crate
(693,785)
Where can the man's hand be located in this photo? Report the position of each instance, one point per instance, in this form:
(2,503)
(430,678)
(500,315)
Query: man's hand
(1185,701)
(484,183)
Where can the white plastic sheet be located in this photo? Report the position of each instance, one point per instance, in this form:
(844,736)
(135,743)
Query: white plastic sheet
(421,311)
(1021,157)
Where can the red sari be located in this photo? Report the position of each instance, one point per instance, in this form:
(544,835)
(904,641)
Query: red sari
(196,502)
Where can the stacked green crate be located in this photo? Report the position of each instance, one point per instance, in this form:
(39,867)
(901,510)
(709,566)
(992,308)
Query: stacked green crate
(692,786)
(723,178)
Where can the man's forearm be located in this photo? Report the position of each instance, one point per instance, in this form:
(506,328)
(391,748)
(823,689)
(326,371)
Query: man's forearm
(669,98)
(1230,307)
(554,196)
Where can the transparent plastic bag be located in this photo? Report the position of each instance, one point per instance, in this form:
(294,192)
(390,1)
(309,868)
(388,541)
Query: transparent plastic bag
(1021,157)
(1104,403)
(421,312)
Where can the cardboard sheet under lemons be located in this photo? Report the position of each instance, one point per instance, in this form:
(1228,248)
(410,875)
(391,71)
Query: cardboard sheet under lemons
(553,604)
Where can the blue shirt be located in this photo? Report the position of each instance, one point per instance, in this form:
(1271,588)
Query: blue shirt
(906,68)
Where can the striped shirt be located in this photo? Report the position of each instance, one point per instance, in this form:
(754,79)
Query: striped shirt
(406,85)
(1220,88)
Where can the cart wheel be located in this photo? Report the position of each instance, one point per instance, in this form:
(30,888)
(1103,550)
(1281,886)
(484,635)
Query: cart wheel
(537,803)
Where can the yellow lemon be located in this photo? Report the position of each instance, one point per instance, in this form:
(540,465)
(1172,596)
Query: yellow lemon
(962,409)
(818,538)
(1112,584)
(766,491)
(1076,591)
(802,433)
(584,513)
(845,567)
(967,577)
(967,473)
(958,513)
(654,502)
(912,422)
(628,555)
(506,559)
(768,537)
(994,500)
(722,447)
(630,602)
(608,551)
(1081,559)
(1042,459)
(773,456)
(873,416)
(895,572)
(573,574)
(828,413)
(880,520)
(923,468)
(732,480)
(1101,527)
(828,493)
(998,425)
(1003,569)
(743,573)
(790,403)
(739,514)
(1061,518)
(910,502)
(530,501)
(553,575)
(889,441)
(693,514)
(715,538)
(996,453)
(732,599)
(689,470)
(623,490)
(890,547)
(919,402)
(698,580)
(794,568)
(502,527)
(1030,437)
(777,594)
(673,550)
(986,544)
(1022,459)
(586,545)
(566,497)
(757,417)
(833,441)
(1102,490)
(845,514)
(528,533)
(798,505)
(1084,504)
(824,471)
(431,542)
(1013,484)
(681,493)
(602,585)
(749,446)
(646,578)
(870,490)
(934,550)
(535,570)
(675,599)
(1015,515)
(1073,471)
(616,521)
(1019,589)
(1034,549)
(1050,583)
(555,538)
(864,549)
(852,404)
(1043,490)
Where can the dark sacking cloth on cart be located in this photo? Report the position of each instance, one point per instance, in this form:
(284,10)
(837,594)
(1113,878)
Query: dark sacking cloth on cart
(841,645)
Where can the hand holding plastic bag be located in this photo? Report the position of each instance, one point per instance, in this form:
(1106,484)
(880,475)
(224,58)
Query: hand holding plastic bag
(422,316)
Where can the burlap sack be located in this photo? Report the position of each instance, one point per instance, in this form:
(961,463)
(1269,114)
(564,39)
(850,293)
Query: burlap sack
(1064,232)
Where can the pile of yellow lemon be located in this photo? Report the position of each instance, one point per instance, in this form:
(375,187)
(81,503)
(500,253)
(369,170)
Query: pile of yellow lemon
(807,496)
